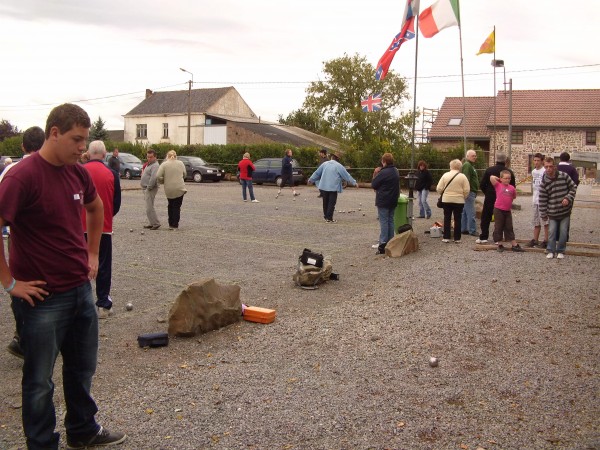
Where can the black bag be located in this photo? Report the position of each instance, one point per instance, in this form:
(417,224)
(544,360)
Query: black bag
(404,228)
(440,204)
(311,258)
(153,340)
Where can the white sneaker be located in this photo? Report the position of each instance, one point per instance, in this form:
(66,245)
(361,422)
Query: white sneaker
(560,256)
(375,246)
(245,200)
(104,313)
(480,241)
(445,240)
(255,201)
(550,256)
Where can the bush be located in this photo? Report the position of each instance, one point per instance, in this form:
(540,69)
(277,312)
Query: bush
(12,146)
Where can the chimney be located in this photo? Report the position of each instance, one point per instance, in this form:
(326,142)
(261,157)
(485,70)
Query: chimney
(148,92)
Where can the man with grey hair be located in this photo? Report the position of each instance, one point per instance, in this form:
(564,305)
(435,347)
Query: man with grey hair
(108,187)
(468,224)
(490,195)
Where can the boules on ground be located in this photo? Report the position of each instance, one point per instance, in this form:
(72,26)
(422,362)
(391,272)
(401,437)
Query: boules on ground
(129,306)
(433,361)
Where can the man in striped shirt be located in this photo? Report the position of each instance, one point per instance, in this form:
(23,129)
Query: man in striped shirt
(557,193)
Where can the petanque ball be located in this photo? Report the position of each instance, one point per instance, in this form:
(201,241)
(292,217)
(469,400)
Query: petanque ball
(131,230)
(433,361)
(129,306)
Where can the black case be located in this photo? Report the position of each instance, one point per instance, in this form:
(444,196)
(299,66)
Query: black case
(153,340)
(311,258)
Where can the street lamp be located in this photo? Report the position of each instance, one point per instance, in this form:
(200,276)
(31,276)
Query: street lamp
(189,104)
(411,180)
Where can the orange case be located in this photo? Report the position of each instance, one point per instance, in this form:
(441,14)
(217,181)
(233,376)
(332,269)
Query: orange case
(260,315)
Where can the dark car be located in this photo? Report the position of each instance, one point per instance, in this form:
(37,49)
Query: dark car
(268,170)
(198,170)
(131,165)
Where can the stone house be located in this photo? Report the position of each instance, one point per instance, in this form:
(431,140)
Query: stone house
(217,116)
(545,121)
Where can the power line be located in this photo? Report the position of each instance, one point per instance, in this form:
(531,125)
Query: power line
(138,93)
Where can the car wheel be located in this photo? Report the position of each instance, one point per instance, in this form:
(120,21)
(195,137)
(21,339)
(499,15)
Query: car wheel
(127,174)
(278,181)
(197,177)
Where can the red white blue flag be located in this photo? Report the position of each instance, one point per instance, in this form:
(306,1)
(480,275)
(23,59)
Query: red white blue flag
(371,103)
(407,31)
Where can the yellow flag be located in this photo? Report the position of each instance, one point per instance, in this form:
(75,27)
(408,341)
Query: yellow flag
(489,46)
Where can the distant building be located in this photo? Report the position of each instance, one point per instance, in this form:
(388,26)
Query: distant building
(549,122)
(218,116)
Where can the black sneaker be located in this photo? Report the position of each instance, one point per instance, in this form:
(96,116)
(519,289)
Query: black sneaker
(500,248)
(14,348)
(532,243)
(517,248)
(544,244)
(103,438)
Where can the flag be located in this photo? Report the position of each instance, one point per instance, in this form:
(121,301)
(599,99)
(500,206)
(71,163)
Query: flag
(442,14)
(371,103)
(407,31)
(489,46)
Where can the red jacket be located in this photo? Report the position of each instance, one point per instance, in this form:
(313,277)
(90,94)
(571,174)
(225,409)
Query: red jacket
(246,168)
(109,190)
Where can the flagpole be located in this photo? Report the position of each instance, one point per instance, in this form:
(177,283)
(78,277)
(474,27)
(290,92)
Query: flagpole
(495,95)
(411,177)
(462,77)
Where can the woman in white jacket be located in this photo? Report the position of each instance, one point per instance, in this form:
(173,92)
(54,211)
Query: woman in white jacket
(457,189)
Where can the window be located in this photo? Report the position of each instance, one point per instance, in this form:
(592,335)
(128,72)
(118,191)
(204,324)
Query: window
(590,138)
(455,121)
(141,131)
(517,137)
(165,130)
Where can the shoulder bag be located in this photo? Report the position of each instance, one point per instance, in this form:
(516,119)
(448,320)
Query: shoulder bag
(439,202)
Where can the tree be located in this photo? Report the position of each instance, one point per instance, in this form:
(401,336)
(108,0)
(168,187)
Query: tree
(7,130)
(335,101)
(97,131)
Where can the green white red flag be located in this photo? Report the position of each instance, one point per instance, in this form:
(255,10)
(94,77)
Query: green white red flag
(442,14)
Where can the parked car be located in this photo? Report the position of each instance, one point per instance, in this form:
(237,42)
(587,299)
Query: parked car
(131,165)
(198,170)
(268,170)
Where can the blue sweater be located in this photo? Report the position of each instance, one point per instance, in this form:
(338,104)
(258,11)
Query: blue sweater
(329,176)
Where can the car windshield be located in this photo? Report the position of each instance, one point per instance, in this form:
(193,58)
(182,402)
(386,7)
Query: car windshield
(195,161)
(130,158)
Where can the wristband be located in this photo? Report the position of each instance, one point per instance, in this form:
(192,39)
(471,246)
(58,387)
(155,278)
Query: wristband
(11,287)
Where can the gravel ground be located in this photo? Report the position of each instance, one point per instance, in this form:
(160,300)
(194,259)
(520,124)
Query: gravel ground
(344,366)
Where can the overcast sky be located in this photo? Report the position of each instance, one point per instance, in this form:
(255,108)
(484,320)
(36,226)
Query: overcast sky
(103,54)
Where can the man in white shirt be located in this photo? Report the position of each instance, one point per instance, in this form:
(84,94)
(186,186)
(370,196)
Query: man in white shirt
(536,178)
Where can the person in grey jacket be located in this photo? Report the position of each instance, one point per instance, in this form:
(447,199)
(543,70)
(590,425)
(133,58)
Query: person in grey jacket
(172,174)
(149,184)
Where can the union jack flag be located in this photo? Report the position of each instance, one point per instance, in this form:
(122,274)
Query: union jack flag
(407,31)
(371,103)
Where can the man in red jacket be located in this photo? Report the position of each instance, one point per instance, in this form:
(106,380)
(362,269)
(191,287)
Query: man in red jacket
(108,187)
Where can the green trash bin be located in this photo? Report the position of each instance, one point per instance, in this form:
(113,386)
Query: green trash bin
(401,212)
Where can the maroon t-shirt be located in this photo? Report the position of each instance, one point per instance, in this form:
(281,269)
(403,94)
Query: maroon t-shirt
(42,203)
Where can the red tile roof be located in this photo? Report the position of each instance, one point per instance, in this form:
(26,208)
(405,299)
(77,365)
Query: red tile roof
(565,108)
(477,112)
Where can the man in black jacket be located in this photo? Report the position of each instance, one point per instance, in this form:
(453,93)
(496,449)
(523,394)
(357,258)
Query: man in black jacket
(386,182)
(490,195)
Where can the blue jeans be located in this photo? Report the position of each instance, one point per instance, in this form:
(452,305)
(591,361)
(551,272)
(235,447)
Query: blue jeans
(468,215)
(424,209)
(386,224)
(67,323)
(558,230)
(247,184)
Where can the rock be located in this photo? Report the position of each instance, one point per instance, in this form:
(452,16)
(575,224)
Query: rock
(309,275)
(204,306)
(402,244)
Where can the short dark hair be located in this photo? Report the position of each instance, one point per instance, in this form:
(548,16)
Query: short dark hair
(539,155)
(151,152)
(33,139)
(564,156)
(323,151)
(549,159)
(65,117)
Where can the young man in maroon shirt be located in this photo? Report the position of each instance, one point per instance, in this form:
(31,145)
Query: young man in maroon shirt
(48,277)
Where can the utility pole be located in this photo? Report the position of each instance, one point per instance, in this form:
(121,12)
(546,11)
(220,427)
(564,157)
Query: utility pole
(189,125)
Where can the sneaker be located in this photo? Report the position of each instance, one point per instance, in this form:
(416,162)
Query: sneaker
(102,438)
(550,256)
(445,241)
(331,221)
(464,232)
(544,244)
(560,256)
(104,313)
(255,201)
(14,348)
(501,248)
(245,200)
(457,242)
(296,194)
(147,227)
(532,243)
(481,241)
(517,248)
(375,246)
(428,217)
(155,227)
